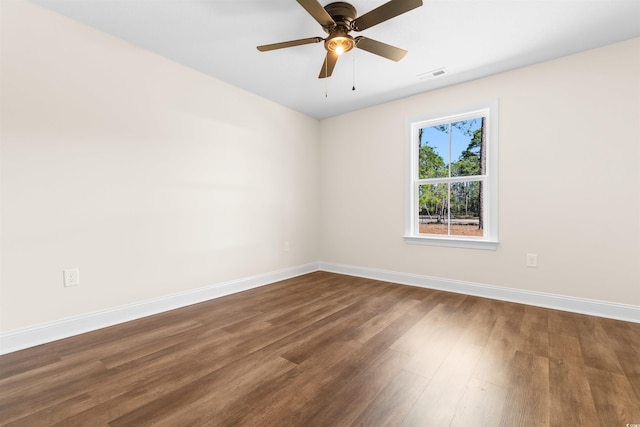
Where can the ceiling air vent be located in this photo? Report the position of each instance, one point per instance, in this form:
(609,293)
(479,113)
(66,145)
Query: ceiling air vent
(431,74)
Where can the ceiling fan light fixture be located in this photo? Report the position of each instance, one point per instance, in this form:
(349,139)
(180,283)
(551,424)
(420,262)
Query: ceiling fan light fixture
(339,42)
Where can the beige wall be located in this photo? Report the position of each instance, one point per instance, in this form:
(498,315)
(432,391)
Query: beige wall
(150,177)
(154,179)
(569,180)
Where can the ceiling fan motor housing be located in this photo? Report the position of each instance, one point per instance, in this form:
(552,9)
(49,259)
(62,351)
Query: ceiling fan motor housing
(342,13)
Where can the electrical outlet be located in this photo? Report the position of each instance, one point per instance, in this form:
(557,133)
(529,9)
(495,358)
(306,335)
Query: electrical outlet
(71,277)
(285,246)
(532,260)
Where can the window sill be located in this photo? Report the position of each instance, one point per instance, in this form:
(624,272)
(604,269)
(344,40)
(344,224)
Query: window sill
(490,245)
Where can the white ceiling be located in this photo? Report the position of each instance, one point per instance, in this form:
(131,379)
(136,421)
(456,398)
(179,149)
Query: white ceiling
(470,38)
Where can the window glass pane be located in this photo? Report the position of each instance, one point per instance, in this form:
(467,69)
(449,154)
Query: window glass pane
(451,209)
(466,145)
(457,145)
(433,209)
(466,208)
(433,152)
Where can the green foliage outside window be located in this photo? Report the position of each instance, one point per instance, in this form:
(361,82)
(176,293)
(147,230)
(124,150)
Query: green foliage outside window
(463,141)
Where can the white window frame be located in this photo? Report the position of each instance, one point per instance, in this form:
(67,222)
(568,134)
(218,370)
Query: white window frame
(489,241)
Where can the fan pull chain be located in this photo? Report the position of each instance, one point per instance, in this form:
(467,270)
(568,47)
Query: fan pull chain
(326,79)
(354,71)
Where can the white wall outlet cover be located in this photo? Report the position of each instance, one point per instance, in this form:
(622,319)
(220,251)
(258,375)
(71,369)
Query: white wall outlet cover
(532,260)
(71,276)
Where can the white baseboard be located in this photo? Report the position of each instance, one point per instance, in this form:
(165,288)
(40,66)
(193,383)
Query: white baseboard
(52,331)
(629,313)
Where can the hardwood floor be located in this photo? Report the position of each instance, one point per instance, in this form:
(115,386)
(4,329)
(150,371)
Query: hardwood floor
(331,350)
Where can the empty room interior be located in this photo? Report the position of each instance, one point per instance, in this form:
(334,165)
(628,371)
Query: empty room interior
(198,232)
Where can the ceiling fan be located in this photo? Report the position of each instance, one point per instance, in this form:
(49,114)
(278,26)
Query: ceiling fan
(338,20)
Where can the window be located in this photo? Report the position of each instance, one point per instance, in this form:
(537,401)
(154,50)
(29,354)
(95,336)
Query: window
(451,182)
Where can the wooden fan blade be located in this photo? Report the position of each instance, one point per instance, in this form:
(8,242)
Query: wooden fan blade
(291,43)
(382,13)
(318,13)
(328,65)
(382,49)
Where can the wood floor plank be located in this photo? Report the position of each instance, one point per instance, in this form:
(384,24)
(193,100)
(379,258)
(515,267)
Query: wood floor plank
(478,329)
(534,332)
(596,347)
(437,404)
(53,414)
(155,375)
(288,399)
(443,335)
(394,402)
(328,349)
(614,398)
(481,405)
(528,398)
(63,381)
(155,341)
(624,341)
(417,338)
(349,402)
(495,364)
(206,398)
(15,363)
(381,320)
(571,398)
(311,341)
(563,323)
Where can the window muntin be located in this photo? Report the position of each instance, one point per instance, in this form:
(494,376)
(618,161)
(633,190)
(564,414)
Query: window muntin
(452,181)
